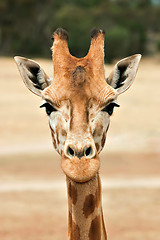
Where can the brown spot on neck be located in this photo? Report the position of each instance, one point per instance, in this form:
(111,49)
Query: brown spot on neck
(74,231)
(98,193)
(72,191)
(92,201)
(89,205)
(95,229)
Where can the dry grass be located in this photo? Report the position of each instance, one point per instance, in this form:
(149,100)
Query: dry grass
(132,151)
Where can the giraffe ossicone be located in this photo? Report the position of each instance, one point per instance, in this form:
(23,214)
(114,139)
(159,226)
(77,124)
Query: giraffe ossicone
(79,102)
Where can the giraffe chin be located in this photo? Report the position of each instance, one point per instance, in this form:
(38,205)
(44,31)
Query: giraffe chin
(80,170)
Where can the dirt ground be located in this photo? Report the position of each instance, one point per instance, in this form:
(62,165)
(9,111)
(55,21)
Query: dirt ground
(33,201)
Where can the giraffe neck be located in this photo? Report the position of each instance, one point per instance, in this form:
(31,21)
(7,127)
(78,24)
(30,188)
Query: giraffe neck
(85,210)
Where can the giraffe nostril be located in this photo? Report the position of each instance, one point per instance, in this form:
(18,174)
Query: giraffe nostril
(70,152)
(88,151)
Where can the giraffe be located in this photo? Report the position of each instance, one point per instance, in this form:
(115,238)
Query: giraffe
(79,101)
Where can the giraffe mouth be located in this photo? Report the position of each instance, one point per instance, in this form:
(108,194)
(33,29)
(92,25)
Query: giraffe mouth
(80,169)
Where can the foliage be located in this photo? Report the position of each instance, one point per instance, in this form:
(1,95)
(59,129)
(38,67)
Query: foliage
(26,26)
(158,45)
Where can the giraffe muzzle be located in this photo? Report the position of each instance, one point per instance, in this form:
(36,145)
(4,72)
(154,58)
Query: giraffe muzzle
(80,169)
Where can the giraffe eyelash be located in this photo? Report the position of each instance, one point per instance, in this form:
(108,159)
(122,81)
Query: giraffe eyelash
(49,108)
(110,107)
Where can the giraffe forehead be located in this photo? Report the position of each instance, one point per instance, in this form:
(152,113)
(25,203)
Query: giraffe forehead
(78,83)
(79,91)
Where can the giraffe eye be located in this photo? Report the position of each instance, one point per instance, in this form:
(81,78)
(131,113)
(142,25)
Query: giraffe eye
(110,107)
(49,108)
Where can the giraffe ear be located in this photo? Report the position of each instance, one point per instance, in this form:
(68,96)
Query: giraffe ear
(33,75)
(124,73)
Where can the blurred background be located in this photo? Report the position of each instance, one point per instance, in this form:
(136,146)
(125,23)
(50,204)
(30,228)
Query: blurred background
(33,201)
(25,25)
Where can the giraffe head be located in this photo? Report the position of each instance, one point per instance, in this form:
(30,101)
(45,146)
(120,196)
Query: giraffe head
(79,100)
